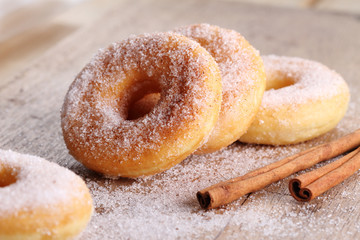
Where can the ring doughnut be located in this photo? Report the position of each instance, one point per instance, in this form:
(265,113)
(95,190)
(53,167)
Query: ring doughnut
(304,99)
(40,200)
(243,81)
(95,121)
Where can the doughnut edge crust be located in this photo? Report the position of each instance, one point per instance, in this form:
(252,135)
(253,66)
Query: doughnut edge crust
(40,199)
(312,102)
(94,115)
(243,80)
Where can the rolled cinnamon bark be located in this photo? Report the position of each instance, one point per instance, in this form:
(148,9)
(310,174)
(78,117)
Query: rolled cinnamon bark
(230,190)
(312,184)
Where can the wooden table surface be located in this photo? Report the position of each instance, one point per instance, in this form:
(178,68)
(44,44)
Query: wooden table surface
(164,206)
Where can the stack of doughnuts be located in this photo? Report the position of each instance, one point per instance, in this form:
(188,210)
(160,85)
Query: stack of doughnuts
(144,104)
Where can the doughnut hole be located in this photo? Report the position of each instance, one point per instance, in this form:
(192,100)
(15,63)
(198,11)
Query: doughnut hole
(7,176)
(139,88)
(143,106)
(278,80)
(137,95)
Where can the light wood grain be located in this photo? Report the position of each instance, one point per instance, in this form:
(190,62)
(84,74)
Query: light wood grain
(343,6)
(30,103)
(30,29)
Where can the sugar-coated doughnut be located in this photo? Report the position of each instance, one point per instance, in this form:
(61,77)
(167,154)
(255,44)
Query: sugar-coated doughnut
(40,199)
(243,81)
(304,99)
(96,125)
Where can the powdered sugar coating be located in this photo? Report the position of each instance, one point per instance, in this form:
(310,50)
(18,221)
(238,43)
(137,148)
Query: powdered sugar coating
(305,100)
(165,206)
(39,184)
(234,56)
(312,81)
(243,81)
(94,114)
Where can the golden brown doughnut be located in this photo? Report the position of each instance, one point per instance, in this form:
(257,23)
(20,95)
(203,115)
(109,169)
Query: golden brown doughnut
(243,81)
(95,121)
(40,200)
(304,99)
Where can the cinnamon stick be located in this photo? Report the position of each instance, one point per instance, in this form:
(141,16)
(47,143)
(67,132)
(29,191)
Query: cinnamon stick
(230,190)
(312,184)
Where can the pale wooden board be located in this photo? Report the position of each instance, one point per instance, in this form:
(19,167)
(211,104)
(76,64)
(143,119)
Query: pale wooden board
(29,29)
(30,104)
